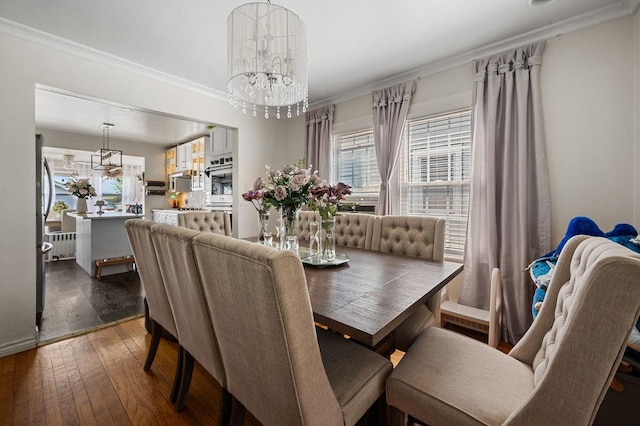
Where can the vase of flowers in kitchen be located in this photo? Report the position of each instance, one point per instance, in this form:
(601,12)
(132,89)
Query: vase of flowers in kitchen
(262,206)
(82,189)
(287,190)
(325,199)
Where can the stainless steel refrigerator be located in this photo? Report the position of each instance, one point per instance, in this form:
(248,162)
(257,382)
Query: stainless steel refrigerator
(44,200)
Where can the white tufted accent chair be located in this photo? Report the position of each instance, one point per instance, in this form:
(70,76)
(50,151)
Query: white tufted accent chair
(558,373)
(417,236)
(354,230)
(216,222)
(304,218)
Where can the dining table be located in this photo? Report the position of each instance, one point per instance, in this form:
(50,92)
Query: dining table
(370,293)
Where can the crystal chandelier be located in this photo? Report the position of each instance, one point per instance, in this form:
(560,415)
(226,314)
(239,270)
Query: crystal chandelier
(267,60)
(106,159)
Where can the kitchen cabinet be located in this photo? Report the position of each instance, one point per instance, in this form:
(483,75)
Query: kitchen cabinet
(221,141)
(183,157)
(171,161)
(198,154)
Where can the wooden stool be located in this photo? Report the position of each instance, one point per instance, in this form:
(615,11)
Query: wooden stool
(100,263)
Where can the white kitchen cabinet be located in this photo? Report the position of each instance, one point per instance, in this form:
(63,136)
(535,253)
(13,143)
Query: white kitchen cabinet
(198,149)
(166,216)
(183,157)
(221,141)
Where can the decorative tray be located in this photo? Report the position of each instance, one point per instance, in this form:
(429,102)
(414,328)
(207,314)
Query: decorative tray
(314,261)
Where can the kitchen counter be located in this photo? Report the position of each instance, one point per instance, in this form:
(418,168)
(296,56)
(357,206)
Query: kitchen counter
(102,236)
(105,215)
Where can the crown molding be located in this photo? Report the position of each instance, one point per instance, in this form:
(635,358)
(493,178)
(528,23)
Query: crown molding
(618,10)
(49,40)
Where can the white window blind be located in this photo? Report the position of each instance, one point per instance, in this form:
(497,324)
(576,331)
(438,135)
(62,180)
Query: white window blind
(355,164)
(435,173)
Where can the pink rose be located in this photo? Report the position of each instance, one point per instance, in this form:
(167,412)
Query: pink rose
(298,181)
(280,193)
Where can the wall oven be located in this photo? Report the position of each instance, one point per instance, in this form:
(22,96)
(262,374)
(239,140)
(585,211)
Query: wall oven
(219,172)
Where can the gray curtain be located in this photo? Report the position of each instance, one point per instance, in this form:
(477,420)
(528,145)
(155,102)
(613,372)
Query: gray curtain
(319,129)
(390,107)
(509,213)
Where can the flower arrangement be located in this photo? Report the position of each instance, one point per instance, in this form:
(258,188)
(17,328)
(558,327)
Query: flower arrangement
(326,199)
(81,188)
(256,197)
(58,206)
(288,189)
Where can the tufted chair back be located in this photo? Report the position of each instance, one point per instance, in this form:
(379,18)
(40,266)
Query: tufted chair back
(354,230)
(216,222)
(417,236)
(305,217)
(576,342)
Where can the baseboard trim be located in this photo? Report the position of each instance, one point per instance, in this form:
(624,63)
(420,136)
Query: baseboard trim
(17,346)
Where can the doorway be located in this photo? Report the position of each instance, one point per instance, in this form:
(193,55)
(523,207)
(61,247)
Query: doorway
(70,122)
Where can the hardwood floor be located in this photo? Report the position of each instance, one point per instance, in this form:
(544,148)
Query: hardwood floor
(97,379)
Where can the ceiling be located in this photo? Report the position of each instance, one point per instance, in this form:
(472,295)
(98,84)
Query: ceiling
(353,46)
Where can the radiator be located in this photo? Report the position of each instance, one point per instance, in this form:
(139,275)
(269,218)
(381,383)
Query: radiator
(64,245)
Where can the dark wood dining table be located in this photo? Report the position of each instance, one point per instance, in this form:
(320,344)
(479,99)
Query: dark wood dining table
(371,294)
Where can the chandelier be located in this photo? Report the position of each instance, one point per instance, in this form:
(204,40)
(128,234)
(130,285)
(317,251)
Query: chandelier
(106,159)
(267,60)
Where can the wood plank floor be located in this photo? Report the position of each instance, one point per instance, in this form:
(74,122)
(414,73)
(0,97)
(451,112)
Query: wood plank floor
(97,379)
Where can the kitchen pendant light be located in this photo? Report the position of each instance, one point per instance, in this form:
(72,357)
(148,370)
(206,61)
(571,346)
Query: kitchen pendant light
(267,60)
(106,159)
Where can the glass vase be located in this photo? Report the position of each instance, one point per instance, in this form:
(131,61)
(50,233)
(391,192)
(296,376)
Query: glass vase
(263,225)
(315,247)
(328,239)
(289,238)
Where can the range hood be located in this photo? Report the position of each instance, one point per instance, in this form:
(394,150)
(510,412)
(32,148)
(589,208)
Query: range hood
(183,173)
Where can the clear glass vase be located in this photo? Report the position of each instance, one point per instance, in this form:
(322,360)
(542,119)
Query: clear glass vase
(315,247)
(263,225)
(289,238)
(328,239)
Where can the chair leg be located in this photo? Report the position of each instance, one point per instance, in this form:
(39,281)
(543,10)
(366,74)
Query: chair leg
(156,333)
(395,417)
(238,411)
(224,419)
(175,388)
(185,379)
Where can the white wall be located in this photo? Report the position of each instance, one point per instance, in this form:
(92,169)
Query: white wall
(25,64)
(588,104)
(587,92)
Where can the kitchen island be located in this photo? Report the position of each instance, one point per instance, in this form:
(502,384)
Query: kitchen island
(102,236)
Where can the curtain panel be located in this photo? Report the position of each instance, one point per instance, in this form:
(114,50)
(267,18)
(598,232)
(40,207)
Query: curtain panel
(509,213)
(390,108)
(319,131)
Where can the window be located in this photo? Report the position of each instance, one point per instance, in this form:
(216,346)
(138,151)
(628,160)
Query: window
(355,163)
(435,173)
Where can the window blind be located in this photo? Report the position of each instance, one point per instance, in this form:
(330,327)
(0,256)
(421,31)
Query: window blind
(355,163)
(435,172)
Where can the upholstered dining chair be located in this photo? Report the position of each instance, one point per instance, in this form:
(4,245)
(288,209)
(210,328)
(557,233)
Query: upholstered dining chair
(279,366)
(218,222)
(354,230)
(417,236)
(488,322)
(160,315)
(193,323)
(557,374)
